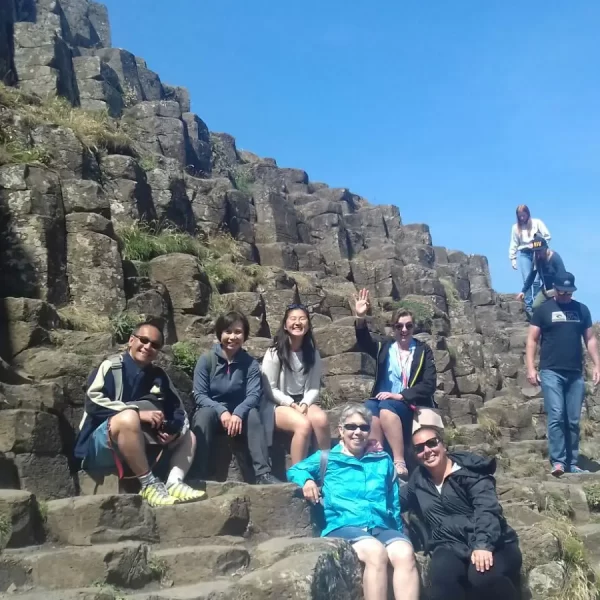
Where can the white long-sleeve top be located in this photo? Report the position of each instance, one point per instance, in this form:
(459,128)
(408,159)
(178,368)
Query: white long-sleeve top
(520,238)
(285,383)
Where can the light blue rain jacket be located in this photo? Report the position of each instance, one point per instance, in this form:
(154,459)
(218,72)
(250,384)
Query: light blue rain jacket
(357,492)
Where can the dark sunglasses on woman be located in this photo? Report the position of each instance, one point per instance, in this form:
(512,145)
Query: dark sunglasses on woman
(431,443)
(354,427)
(401,326)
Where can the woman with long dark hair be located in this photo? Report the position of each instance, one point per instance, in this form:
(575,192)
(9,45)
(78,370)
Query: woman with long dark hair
(292,367)
(521,252)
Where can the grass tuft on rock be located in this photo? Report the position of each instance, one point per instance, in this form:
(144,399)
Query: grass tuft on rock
(592,495)
(14,152)
(96,130)
(185,356)
(84,319)
(580,580)
(5,530)
(422,310)
(490,427)
(219,255)
(452,297)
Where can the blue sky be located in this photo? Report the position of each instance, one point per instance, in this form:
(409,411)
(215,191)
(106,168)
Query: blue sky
(454,111)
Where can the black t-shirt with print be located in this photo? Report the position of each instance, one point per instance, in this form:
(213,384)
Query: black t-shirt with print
(563,326)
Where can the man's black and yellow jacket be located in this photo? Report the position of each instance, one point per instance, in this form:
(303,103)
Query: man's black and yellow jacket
(423,378)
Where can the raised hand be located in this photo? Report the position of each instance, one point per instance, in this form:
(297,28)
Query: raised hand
(361,303)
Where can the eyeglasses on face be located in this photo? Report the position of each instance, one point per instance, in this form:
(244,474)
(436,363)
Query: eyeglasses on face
(401,326)
(431,443)
(355,426)
(146,340)
(564,293)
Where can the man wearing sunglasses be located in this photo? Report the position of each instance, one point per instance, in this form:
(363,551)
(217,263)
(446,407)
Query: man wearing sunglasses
(132,407)
(560,324)
(405,378)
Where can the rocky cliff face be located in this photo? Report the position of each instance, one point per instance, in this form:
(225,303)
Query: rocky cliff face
(78,175)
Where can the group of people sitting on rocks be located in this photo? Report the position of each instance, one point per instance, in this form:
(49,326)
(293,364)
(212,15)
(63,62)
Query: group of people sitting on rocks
(134,419)
(558,324)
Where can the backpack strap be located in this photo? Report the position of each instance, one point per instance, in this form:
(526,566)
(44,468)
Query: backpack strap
(324,459)
(213,363)
(116,367)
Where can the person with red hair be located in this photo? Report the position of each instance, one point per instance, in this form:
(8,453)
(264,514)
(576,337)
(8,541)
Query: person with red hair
(520,250)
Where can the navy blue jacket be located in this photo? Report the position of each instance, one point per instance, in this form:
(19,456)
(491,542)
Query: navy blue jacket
(423,376)
(101,403)
(236,387)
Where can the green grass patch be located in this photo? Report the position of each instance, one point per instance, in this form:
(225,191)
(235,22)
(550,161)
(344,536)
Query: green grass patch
(242,181)
(123,324)
(14,152)
(452,297)
(326,399)
(453,436)
(96,130)
(84,319)
(422,310)
(580,581)
(490,427)
(148,162)
(219,255)
(185,356)
(592,495)
(5,530)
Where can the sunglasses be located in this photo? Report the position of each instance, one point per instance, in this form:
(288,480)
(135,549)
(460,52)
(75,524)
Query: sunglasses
(296,306)
(560,293)
(146,340)
(401,326)
(431,444)
(354,427)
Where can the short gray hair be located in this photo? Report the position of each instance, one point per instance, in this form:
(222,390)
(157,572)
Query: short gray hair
(355,409)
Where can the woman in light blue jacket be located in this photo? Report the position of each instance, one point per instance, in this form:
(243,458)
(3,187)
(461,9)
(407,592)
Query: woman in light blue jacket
(361,504)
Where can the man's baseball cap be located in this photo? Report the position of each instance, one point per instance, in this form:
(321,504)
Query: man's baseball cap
(538,242)
(564,282)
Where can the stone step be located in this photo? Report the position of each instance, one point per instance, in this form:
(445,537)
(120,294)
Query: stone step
(198,591)
(52,568)
(189,564)
(516,449)
(590,536)
(86,520)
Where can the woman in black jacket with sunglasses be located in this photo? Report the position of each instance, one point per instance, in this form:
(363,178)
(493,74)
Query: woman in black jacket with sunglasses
(404,380)
(471,545)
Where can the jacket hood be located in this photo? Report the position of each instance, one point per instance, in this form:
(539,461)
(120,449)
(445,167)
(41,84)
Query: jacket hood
(478,465)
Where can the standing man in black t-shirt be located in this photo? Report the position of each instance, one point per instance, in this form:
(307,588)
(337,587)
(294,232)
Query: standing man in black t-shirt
(561,323)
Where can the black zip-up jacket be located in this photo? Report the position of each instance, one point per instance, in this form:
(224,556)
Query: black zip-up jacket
(466,515)
(423,377)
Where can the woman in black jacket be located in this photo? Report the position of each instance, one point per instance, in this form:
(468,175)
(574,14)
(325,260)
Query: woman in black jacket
(405,378)
(454,494)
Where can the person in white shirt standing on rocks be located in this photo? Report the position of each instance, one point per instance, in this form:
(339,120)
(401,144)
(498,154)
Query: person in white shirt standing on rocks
(292,367)
(520,251)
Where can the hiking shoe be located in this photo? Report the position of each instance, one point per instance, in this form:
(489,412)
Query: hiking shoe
(578,471)
(557,470)
(267,479)
(182,493)
(156,495)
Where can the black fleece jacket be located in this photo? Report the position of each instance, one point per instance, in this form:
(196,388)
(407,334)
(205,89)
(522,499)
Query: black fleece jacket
(466,515)
(423,377)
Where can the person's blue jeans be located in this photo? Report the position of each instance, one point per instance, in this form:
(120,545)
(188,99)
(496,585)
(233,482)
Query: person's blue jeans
(525,264)
(563,399)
